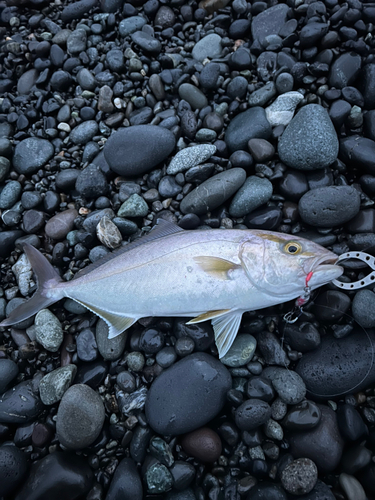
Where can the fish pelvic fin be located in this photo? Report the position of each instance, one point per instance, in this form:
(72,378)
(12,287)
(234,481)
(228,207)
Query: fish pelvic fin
(116,323)
(216,267)
(207,315)
(47,279)
(226,328)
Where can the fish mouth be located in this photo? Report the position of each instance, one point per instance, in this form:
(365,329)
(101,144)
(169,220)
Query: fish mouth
(324,269)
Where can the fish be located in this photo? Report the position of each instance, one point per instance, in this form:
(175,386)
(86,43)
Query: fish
(214,275)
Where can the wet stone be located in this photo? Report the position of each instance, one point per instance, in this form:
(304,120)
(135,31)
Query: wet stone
(146,42)
(345,70)
(161,451)
(245,126)
(48,330)
(329,206)
(20,405)
(84,132)
(309,142)
(302,416)
(176,411)
(269,22)
(126,483)
(13,469)
(80,417)
(263,95)
(53,385)
(8,371)
(10,194)
(289,386)
(282,109)
(109,348)
(4,168)
(87,349)
(183,474)
(300,476)
(134,206)
(213,192)
(191,94)
(350,422)
(130,25)
(58,474)
(190,157)
(252,194)
(252,414)
(203,444)
(363,308)
(241,351)
(208,47)
(31,154)
(158,479)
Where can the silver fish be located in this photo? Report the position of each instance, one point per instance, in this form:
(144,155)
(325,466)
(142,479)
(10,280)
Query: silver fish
(212,275)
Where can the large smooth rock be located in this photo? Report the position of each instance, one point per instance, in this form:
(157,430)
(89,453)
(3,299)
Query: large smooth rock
(187,395)
(31,154)
(59,475)
(352,370)
(329,206)
(359,152)
(13,469)
(269,22)
(20,405)
(309,142)
(126,483)
(137,149)
(250,124)
(213,192)
(80,417)
(323,444)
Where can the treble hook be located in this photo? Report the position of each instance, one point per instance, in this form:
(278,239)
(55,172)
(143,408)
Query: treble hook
(368,280)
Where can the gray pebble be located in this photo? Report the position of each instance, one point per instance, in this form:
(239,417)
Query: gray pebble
(80,417)
(53,385)
(109,348)
(31,154)
(10,194)
(190,157)
(256,191)
(300,476)
(84,132)
(48,330)
(363,308)
(4,168)
(245,126)
(289,386)
(130,25)
(282,109)
(191,94)
(207,47)
(241,351)
(134,206)
(261,96)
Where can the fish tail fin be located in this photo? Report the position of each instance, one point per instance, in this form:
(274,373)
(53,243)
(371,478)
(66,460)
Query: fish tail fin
(47,278)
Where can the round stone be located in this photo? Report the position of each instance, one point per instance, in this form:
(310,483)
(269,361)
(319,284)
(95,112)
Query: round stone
(53,385)
(137,149)
(190,157)
(363,308)
(48,330)
(84,132)
(8,371)
(203,444)
(310,141)
(109,348)
(241,351)
(60,224)
(250,124)
(31,154)
(288,385)
(208,47)
(187,395)
(252,414)
(80,417)
(300,476)
(255,191)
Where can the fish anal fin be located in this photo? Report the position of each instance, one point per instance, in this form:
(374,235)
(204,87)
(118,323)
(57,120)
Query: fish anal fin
(217,267)
(226,328)
(207,315)
(116,323)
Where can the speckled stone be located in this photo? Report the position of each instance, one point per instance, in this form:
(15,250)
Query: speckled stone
(190,157)
(256,191)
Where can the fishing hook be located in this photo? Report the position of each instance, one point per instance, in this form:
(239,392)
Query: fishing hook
(368,280)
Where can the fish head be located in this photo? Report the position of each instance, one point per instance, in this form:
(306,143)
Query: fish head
(279,264)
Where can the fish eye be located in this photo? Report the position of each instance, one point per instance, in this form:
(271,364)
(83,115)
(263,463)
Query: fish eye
(292,248)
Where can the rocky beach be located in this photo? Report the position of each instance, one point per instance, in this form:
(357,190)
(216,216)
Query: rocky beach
(210,115)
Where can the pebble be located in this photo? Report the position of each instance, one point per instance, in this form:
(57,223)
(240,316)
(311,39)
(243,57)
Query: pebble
(13,469)
(303,416)
(161,451)
(193,96)
(241,351)
(8,372)
(300,476)
(269,22)
(10,194)
(252,414)
(350,422)
(190,157)
(61,474)
(126,483)
(213,192)
(323,444)
(262,96)
(31,154)
(353,367)
(134,206)
(108,233)
(137,149)
(61,224)
(363,308)
(250,124)
(77,41)
(352,487)
(53,385)
(309,142)
(80,417)
(4,168)
(329,206)
(288,385)
(84,132)
(109,349)
(86,79)
(158,479)
(131,25)
(281,111)
(48,330)
(344,70)
(181,409)
(146,42)
(203,444)
(91,182)
(209,47)
(255,191)
(20,405)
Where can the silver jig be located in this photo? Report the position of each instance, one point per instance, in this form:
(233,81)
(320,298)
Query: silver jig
(368,280)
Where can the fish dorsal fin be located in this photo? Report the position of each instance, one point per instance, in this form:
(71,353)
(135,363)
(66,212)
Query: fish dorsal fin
(161,229)
(207,315)
(226,328)
(116,324)
(216,267)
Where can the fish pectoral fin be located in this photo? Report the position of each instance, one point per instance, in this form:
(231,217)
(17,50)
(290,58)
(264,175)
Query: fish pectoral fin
(226,328)
(207,315)
(215,266)
(116,324)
